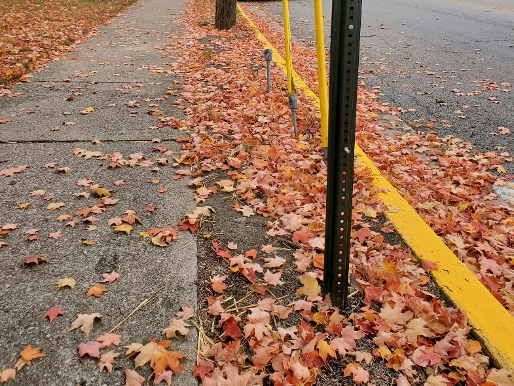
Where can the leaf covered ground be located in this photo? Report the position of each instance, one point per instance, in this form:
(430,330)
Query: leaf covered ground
(33,33)
(259,222)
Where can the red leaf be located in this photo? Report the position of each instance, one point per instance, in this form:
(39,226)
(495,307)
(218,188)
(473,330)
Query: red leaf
(52,313)
(248,273)
(362,234)
(428,265)
(231,329)
(203,368)
(91,348)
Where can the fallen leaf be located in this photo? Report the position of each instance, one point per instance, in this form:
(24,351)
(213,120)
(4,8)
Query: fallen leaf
(168,359)
(217,284)
(428,265)
(126,228)
(96,291)
(165,237)
(107,360)
(246,211)
(186,313)
(436,380)
(91,348)
(109,339)
(7,374)
(325,350)
(176,326)
(27,355)
(52,313)
(55,205)
(310,287)
(358,373)
(268,248)
(102,193)
(85,322)
(132,378)
(147,353)
(66,282)
(231,329)
(34,260)
(273,262)
(55,235)
(110,277)
(273,278)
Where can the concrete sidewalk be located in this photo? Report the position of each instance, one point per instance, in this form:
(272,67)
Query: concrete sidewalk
(122,63)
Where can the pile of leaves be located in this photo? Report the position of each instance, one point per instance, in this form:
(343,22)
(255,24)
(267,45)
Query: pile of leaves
(447,181)
(36,32)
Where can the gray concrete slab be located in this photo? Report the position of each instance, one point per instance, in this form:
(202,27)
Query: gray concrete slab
(40,110)
(27,292)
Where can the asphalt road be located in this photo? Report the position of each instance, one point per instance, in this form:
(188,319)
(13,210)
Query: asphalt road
(421,53)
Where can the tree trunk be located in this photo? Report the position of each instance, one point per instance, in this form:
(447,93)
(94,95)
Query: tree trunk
(225,14)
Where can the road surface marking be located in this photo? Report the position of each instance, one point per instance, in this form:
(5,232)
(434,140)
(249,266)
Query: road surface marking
(481,5)
(490,320)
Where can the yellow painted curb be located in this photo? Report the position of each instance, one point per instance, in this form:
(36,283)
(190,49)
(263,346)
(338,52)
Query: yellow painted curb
(493,323)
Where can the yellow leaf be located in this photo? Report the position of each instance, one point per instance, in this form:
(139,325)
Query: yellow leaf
(89,242)
(325,350)
(287,173)
(501,169)
(123,228)
(384,351)
(320,318)
(310,287)
(24,206)
(66,282)
(102,192)
(369,212)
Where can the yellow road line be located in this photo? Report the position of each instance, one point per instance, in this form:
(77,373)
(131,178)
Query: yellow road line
(491,321)
(481,5)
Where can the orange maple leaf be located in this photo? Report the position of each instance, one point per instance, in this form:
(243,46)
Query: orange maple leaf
(96,291)
(168,359)
(27,355)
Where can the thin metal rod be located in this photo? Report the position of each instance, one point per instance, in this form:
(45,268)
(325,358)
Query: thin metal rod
(268,56)
(287,38)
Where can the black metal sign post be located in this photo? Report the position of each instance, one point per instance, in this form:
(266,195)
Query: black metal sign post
(344,65)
